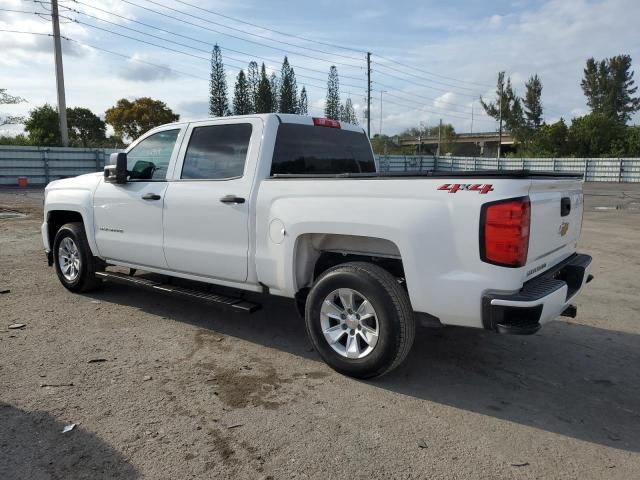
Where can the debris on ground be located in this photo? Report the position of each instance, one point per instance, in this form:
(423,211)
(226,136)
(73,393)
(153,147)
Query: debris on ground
(97,360)
(4,290)
(42,385)
(422,443)
(519,464)
(146,378)
(68,428)
(235,425)
(16,326)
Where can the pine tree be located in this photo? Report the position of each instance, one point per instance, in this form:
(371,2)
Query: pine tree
(241,99)
(332,106)
(302,104)
(253,80)
(288,89)
(507,104)
(348,113)
(533,103)
(218,103)
(274,85)
(264,102)
(609,87)
(621,104)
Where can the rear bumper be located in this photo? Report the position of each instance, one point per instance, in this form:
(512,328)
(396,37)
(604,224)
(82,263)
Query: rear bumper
(540,300)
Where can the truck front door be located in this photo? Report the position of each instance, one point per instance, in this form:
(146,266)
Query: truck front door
(128,218)
(207,204)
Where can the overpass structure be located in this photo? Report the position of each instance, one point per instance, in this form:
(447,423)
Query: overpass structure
(482,144)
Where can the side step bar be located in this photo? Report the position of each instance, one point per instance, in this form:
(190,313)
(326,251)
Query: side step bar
(230,303)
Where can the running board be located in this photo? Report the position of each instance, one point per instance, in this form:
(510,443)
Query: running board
(231,303)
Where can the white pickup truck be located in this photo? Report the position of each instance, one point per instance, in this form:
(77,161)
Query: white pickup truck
(294,206)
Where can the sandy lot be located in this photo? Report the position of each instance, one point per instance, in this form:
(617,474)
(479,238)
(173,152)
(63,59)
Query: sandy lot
(166,389)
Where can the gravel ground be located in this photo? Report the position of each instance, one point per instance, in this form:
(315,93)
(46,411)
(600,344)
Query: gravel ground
(163,389)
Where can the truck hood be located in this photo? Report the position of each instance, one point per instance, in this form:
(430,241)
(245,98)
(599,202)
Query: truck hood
(88,181)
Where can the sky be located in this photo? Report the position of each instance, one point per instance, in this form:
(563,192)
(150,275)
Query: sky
(430,60)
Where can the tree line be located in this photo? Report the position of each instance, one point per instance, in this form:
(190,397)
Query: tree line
(608,87)
(255,92)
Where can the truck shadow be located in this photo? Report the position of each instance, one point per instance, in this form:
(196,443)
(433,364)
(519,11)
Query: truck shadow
(571,379)
(32,446)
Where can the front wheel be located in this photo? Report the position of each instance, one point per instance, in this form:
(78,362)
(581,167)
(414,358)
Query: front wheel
(74,263)
(360,319)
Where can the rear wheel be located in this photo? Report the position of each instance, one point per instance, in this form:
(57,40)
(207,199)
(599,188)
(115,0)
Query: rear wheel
(74,263)
(360,319)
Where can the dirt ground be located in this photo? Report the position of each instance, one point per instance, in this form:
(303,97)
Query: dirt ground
(161,388)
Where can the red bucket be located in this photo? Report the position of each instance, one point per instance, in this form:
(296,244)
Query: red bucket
(23,182)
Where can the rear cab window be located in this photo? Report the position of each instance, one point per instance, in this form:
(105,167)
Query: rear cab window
(309,149)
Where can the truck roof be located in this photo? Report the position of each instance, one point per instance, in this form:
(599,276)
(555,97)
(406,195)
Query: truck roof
(282,118)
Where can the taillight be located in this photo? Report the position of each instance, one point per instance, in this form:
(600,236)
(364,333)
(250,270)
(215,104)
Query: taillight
(326,122)
(504,232)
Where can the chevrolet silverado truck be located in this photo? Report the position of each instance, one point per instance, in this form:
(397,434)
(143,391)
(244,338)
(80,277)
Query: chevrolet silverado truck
(295,206)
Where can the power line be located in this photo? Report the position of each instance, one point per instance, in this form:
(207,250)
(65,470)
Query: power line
(272,30)
(223,33)
(180,35)
(437,82)
(434,74)
(413,82)
(180,44)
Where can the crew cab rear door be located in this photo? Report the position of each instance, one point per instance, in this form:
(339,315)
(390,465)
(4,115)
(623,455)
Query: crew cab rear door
(207,203)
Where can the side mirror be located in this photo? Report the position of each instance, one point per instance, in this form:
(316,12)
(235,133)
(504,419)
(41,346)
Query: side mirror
(117,171)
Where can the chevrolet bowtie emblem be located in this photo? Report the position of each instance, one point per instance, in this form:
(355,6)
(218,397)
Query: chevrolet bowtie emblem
(564,228)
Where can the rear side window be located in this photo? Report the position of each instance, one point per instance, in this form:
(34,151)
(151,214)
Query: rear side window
(306,149)
(217,152)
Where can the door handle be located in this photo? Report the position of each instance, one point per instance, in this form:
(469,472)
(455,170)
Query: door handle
(151,196)
(565,206)
(232,199)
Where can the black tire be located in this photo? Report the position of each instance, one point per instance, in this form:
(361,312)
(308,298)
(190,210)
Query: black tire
(86,279)
(395,318)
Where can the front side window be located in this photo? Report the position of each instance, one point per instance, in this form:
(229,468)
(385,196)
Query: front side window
(149,159)
(217,152)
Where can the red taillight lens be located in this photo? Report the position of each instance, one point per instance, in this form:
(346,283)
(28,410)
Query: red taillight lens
(504,232)
(325,122)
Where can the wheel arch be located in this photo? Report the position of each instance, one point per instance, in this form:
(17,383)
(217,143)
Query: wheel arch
(56,218)
(315,253)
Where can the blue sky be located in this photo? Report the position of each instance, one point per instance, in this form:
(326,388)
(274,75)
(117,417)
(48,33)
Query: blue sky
(456,49)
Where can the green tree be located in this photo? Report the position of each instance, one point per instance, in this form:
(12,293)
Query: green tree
(594,135)
(85,127)
(533,103)
(609,87)
(6,99)
(348,113)
(253,81)
(550,140)
(218,103)
(42,126)
(506,104)
(303,108)
(264,102)
(274,86)
(632,141)
(242,98)
(130,119)
(332,105)
(288,89)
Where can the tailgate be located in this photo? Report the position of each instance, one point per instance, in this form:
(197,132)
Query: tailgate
(556,222)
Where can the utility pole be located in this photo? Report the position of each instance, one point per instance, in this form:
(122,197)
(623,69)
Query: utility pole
(57,47)
(439,137)
(369,94)
(471,119)
(500,124)
(381,92)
